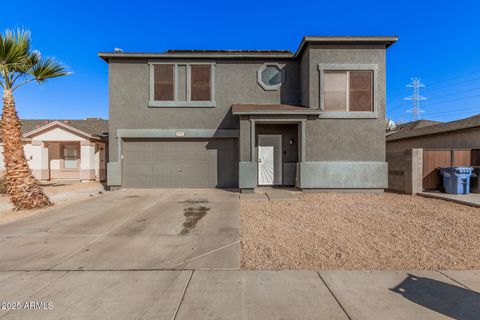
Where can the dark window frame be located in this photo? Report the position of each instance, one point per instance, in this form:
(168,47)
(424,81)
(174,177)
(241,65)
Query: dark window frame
(175,102)
(322,67)
(348,90)
(158,82)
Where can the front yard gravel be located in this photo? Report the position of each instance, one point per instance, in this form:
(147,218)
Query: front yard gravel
(359,231)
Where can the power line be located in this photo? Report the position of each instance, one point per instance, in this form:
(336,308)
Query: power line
(398,106)
(454,84)
(465,114)
(454,78)
(455,93)
(441,101)
(470,109)
(403,104)
(456,99)
(416,84)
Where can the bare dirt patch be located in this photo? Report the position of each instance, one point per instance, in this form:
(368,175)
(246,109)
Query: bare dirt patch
(61,193)
(359,231)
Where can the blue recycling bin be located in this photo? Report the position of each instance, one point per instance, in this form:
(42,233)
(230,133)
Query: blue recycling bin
(456,180)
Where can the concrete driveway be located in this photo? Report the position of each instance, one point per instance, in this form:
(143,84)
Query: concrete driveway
(139,254)
(129,230)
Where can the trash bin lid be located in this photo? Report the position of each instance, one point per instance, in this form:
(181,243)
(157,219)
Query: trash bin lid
(458,170)
(465,170)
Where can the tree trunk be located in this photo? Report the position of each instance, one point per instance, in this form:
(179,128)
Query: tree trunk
(22,188)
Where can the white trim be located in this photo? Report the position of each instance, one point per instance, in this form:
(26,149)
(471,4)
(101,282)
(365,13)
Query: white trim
(177,103)
(264,85)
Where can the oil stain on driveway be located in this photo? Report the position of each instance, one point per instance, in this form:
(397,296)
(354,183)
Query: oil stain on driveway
(129,230)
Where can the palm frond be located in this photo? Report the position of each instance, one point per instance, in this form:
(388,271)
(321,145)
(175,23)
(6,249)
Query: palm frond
(15,50)
(46,68)
(18,63)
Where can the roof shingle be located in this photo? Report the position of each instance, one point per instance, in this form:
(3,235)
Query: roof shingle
(94,126)
(415,131)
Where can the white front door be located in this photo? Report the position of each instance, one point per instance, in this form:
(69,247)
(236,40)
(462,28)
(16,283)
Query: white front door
(269,159)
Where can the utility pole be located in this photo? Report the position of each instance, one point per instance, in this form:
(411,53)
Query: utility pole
(415,98)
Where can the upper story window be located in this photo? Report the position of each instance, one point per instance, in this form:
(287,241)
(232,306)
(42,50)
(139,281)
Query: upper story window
(201,82)
(182,85)
(348,89)
(270,76)
(163,75)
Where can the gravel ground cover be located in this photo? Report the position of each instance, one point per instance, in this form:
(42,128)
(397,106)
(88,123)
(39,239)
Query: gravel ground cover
(388,231)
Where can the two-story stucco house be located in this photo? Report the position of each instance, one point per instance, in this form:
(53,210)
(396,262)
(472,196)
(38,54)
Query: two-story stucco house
(313,119)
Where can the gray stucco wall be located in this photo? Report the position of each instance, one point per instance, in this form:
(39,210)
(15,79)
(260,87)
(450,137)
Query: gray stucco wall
(465,139)
(304,77)
(328,141)
(235,82)
(245,139)
(346,139)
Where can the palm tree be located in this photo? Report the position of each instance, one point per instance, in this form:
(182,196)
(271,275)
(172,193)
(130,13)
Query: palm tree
(19,65)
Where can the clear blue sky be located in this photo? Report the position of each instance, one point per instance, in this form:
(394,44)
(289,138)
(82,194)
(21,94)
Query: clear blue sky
(439,40)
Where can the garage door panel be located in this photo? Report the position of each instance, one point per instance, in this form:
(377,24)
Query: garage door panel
(160,156)
(145,155)
(132,155)
(146,181)
(160,169)
(180,163)
(203,180)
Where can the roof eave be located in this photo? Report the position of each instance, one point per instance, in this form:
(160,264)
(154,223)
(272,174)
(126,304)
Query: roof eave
(386,40)
(60,124)
(138,55)
(393,138)
(275,112)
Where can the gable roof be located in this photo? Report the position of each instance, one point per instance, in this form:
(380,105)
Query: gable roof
(287,54)
(435,128)
(416,124)
(95,127)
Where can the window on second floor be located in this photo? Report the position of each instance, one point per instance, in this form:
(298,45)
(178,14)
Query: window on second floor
(182,85)
(346,91)
(163,75)
(200,82)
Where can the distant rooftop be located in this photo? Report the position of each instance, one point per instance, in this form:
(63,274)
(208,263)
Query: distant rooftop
(386,41)
(432,127)
(94,126)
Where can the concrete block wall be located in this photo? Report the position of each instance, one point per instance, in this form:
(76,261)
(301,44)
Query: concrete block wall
(405,171)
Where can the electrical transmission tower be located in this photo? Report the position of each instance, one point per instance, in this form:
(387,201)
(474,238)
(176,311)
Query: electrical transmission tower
(415,98)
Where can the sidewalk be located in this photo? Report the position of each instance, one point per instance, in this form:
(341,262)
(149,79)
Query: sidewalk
(471,199)
(217,294)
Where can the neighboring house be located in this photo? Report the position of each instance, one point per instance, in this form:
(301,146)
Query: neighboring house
(65,149)
(313,119)
(430,145)
(426,134)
